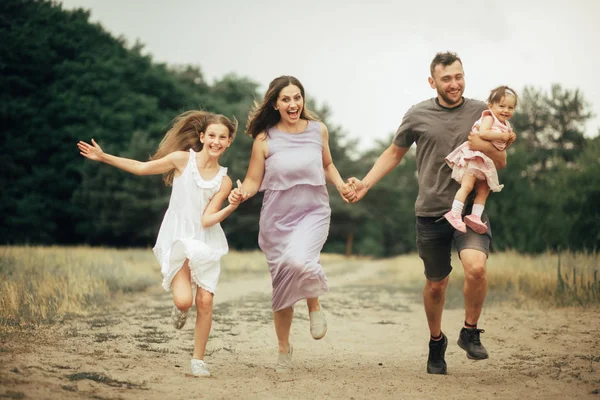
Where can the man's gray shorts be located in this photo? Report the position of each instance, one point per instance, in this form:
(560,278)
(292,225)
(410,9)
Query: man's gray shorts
(434,243)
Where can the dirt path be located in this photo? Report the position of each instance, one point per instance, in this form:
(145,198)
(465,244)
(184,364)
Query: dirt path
(376,348)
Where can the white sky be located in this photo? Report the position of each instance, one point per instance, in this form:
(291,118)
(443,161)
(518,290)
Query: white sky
(369,60)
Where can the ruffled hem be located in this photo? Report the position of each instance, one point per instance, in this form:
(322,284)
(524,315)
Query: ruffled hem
(203,263)
(214,182)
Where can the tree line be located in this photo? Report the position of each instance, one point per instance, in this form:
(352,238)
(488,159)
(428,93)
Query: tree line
(66,79)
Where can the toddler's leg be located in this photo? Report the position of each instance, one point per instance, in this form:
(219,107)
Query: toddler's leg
(483,190)
(473,220)
(466,187)
(454,216)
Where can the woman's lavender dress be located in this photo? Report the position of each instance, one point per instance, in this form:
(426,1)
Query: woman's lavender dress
(295,214)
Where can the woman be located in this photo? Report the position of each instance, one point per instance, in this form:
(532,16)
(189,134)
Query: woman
(291,163)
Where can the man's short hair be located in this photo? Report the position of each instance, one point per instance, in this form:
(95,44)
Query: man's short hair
(445,59)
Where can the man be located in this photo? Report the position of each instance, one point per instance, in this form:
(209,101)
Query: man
(438,126)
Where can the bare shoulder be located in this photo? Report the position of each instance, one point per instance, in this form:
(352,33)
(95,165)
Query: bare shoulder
(324,130)
(260,144)
(323,127)
(179,158)
(226,184)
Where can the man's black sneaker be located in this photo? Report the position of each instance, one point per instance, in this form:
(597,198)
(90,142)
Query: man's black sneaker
(436,364)
(469,341)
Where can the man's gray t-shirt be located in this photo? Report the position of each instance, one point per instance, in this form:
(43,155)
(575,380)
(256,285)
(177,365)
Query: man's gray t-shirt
(437,131)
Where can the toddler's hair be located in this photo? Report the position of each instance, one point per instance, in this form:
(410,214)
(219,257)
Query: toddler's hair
(497,94)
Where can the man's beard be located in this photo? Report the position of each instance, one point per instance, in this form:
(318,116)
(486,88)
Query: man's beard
(448,100)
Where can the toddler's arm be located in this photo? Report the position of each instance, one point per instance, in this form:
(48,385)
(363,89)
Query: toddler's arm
(486,132)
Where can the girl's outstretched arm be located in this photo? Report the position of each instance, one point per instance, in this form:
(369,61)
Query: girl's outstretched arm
(256,169)
(213,213)
(176,160)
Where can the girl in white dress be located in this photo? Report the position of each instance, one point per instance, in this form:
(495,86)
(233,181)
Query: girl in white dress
(190,242)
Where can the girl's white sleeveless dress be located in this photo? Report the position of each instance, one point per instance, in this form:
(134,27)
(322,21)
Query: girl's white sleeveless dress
(181,233)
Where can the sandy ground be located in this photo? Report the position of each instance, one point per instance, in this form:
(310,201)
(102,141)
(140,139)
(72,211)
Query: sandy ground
(376,348)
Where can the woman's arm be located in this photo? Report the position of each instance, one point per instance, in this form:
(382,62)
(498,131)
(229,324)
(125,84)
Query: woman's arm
(332,175)
(213,213)
(176,160)
(256,169)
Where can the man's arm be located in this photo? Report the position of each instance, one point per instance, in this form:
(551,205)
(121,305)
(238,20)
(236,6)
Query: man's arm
(387,161)
(476,143)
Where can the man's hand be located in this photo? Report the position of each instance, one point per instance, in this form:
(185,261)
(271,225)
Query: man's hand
(360,190)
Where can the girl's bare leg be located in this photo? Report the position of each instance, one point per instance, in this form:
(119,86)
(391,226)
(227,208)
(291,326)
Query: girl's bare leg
(181,287)
(204,310)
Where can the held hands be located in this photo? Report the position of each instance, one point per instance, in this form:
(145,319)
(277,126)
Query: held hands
(94,152)
(357,192)
(346,191)
(237,195)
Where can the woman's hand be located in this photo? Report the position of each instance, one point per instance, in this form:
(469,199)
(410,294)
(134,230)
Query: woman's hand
(347,192)
(237,196)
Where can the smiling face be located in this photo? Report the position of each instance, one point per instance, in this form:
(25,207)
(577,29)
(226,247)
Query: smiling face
(215,139)
(290,103)
(449,82)
(505,108)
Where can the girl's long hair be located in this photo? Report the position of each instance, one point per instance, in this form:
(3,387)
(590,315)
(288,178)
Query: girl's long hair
(185,134)
(264,116)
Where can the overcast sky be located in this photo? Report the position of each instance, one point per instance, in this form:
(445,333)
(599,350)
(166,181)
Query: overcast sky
(369,60)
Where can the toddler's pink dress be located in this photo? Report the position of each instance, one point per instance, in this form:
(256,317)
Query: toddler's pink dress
(463,160)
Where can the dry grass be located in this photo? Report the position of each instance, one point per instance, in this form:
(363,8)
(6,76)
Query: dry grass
(515,277)
(40,284)
(541,279)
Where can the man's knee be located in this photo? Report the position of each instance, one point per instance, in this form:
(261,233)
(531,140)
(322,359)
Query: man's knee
(436,289)
(474,265)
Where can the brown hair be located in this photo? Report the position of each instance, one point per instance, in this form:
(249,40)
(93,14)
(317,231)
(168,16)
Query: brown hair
(264,116)
(496,95)
(445,59)
(185,134)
